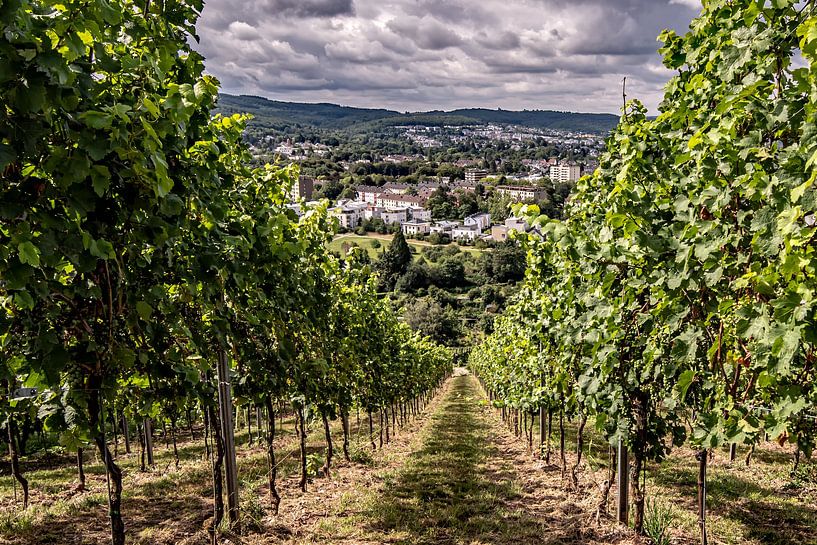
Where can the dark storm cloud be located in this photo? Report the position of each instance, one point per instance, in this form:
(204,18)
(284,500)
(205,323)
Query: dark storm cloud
(498,41)
(428,54)
(426,33)
(307,8)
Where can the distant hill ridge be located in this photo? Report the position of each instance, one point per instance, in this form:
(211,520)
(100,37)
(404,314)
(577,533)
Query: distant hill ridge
(274,114)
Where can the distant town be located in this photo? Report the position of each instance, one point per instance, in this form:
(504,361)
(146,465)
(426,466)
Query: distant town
(449,183)
(404,206)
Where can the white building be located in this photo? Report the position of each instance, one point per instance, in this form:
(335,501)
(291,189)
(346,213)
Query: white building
(474,175)
(499,233)
(368,193)
(413,228)
(420,214)
(481,221)
(285,149)
(465,233)
(395,215)
(373,212)
(521,193)
(394,200)
(348,217)
(565,173)
(395,188)
(444,227)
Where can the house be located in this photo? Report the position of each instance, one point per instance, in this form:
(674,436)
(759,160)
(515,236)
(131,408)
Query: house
(467,233)
(394,215)
(522,193)
(425,184)
(420,214)
(395,188)
(373,212)
(499,233)
(368,193)
(444,227)
(465,187)
(480,220)
(516,223)
(414,228)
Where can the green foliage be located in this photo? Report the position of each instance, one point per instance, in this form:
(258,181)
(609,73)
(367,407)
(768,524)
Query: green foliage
(506,263)
(448,273)
(431,319)
(416,277)
(802,476)
(314,463)
(679,286)
(361,455)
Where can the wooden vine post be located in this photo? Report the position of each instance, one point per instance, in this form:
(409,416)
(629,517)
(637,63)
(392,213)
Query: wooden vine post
(225,405)
(623,484)
(125,433)
(702,457)
(544,434)
(148,431)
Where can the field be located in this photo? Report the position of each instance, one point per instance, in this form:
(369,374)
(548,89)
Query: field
(456,474)
(368,243)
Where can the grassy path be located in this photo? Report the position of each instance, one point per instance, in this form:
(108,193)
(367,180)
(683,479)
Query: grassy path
(466,480)
(452,490)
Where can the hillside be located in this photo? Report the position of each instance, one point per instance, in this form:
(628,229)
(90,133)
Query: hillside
(273,114)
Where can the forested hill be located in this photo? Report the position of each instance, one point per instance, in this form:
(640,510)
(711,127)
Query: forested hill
(273,114)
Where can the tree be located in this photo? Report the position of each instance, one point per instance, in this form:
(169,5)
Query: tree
(416,277)
(467,203)
(394,262)
(139,246)
(429,318)
(499,206)
(442,204)
(505,264)
(330,189)
(450,273)
(99,155)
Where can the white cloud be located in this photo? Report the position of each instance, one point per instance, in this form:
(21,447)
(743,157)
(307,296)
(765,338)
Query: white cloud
(244,32)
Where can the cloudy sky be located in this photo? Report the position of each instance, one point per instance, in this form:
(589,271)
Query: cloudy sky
(414,55)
